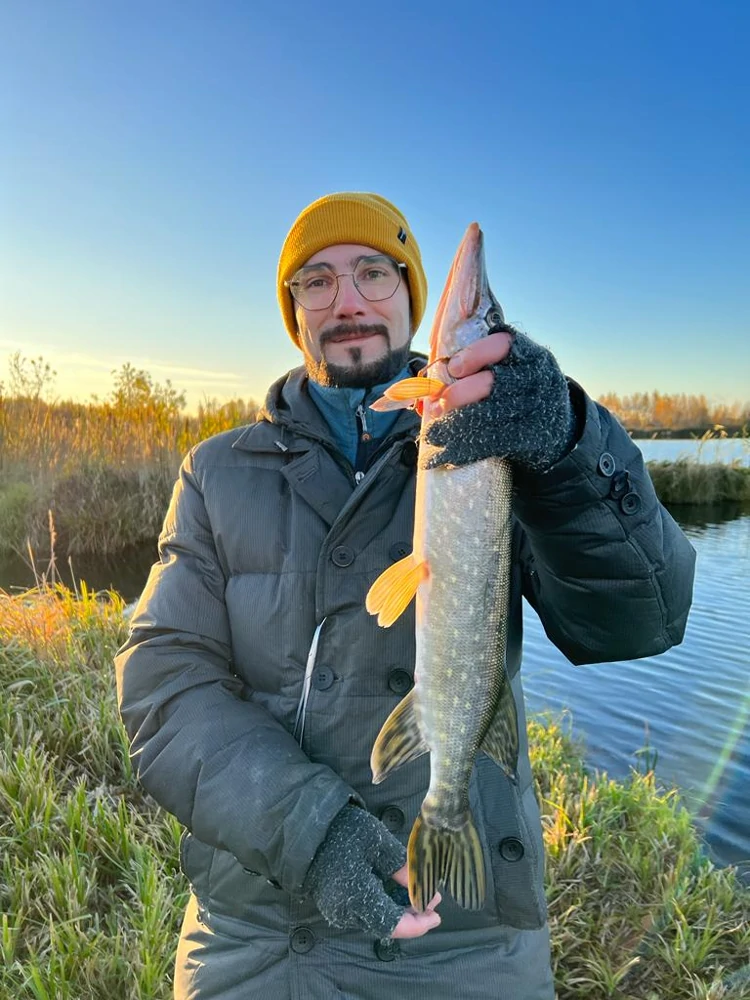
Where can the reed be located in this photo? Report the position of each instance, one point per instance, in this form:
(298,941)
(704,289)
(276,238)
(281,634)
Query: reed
(91,895)
(105,470)
(686,482)
(693,481)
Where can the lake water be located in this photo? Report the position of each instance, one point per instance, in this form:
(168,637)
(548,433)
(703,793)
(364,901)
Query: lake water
(691,704)
(720,450)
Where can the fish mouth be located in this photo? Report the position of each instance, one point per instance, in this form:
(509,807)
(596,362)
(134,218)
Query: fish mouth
(462,294)
(470,274)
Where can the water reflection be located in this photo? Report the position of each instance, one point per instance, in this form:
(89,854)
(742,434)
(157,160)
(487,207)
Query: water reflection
(691,704)
(126,573)
(707,515)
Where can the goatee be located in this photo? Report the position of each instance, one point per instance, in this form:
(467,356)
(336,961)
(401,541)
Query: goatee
(357,374)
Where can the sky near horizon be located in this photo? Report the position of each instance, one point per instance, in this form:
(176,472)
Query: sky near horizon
(156,154)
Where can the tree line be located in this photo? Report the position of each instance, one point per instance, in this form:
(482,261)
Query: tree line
(27,404)
(663,411)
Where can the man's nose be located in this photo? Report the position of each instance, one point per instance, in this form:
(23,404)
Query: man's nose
(349,301)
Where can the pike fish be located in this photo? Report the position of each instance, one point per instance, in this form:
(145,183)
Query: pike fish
(459,570)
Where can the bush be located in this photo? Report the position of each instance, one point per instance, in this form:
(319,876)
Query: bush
(17,506)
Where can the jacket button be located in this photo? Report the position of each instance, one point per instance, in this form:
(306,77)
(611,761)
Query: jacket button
(400,550)
(511,849)
(606,464)
(409,454)
(322,678)
(620,484)
(399,681)
(387,949)
(303,940)
(392,819)
(630,503)
(342,556)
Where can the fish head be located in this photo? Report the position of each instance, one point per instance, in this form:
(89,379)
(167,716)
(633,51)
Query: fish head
(467,309)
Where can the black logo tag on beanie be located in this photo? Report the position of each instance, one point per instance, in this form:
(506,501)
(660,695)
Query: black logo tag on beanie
(402,235)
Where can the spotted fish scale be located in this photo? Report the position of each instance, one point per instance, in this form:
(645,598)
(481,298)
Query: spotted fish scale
(459,571)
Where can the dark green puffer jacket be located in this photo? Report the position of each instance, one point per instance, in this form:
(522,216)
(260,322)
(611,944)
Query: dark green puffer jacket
(268,542)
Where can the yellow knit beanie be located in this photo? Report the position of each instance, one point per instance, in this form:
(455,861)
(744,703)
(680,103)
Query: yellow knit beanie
(350,217)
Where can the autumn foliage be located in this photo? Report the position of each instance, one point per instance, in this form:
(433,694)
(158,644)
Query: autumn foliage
(655,411)
(140,425)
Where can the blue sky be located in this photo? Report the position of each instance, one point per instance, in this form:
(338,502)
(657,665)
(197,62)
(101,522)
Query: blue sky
(155,155)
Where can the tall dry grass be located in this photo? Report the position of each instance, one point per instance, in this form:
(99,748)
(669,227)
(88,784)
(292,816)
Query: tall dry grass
(693,481)
(105,469)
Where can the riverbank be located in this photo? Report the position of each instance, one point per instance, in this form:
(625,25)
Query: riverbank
(92,895)
(699,432)
(102,510)
(688,482)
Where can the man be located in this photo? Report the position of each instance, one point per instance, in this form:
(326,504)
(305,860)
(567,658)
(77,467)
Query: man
(254,682)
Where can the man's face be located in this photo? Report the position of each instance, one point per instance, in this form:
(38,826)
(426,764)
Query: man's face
(354,342)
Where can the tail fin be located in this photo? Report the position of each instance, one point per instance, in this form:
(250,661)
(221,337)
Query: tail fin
(453,858)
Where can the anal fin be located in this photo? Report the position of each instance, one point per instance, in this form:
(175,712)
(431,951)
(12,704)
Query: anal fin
(398,741)
(501,739)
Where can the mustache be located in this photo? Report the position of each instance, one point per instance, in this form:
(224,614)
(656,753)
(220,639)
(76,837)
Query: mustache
(353,330)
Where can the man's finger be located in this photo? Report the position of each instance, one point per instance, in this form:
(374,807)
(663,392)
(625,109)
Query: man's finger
(402,877)
(435,901)
(483,352)
(416,924)
(467,390)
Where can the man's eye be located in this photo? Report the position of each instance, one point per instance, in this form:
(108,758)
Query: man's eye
(316,283)
(373,274)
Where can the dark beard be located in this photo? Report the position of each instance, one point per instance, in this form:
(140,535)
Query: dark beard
(357,375)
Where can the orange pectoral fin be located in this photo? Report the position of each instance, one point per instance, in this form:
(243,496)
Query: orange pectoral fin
(394,589)
(405,393)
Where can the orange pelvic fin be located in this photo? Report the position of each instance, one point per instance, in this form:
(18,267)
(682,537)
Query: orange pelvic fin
(394,589)
(407,391)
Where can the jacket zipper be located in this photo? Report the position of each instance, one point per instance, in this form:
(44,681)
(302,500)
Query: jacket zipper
(364,433)
(360,462)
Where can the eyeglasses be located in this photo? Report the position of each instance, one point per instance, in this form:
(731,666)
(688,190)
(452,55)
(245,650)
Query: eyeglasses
(317,285)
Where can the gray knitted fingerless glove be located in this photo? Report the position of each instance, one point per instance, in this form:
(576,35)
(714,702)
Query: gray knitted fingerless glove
(528,417)
(347,876)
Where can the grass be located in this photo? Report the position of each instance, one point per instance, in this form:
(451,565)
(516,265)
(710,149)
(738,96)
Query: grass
(689,482)
(636,910)
(692,481)
(91,895)
(105,470)
(89,887)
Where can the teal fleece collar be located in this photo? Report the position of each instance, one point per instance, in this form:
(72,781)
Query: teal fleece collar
(339,408)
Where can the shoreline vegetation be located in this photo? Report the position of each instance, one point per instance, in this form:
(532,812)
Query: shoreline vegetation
(91,894)
(98,476)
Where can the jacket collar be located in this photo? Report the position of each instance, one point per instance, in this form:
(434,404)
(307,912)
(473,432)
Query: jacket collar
(289,420)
